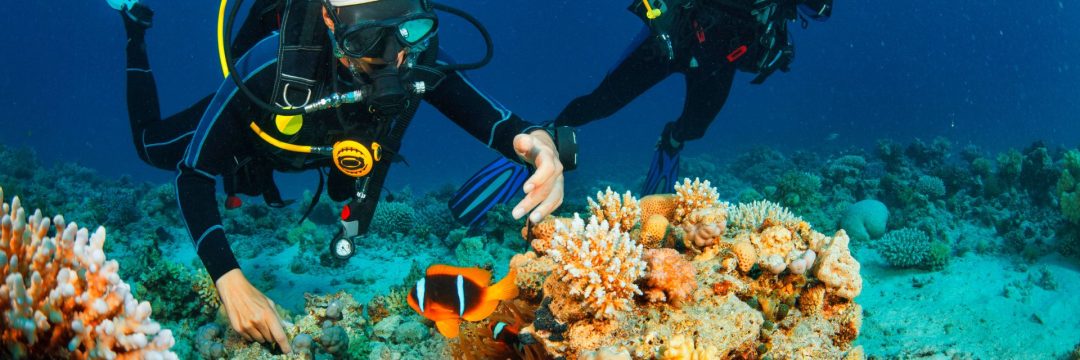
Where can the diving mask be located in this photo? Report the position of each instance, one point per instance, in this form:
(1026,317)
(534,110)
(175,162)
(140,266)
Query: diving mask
(364,30)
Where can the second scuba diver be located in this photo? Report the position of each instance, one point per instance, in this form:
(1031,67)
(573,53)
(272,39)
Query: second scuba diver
(335,89)
(707,41)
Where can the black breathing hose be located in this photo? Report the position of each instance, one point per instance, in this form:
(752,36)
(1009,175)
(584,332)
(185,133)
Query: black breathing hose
(483,33)
(237,77)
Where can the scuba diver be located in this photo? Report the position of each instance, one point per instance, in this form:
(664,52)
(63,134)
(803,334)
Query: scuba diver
(706,41)
(331,87)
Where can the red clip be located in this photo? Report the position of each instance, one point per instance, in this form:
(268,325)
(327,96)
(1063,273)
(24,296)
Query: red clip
(233,202)
(699,32)
(736,54)
(345,212)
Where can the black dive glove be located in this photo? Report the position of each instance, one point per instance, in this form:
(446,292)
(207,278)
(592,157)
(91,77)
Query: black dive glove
(137,19)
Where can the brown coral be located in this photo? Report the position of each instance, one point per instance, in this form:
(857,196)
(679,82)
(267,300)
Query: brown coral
(746,254)
(811,300)
(654,232)
(669,277)
(775,240)
(531,273)
(622,210)
(203,285)
(850,323)
(658,204)
(838,269)
(542,233)
(699,237)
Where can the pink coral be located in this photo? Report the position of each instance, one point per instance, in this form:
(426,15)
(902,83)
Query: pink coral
(62,298)
(670,277)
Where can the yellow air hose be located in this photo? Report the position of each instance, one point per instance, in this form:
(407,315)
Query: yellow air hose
(650,12)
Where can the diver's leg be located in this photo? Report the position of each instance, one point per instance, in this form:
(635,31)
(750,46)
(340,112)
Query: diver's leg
(639,71)
(158,142)
(707,89)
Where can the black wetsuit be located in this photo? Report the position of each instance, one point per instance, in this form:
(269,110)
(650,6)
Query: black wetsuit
(212,138)
(702,37)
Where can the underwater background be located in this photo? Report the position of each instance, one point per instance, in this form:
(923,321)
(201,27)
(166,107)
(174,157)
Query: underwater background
(961,117)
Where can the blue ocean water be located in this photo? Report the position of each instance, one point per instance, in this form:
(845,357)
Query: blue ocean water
(990,73)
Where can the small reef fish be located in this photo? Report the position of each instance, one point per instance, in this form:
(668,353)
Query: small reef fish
(448,294)
(508,334)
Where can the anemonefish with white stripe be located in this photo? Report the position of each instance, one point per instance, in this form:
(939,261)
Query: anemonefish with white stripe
(448,294)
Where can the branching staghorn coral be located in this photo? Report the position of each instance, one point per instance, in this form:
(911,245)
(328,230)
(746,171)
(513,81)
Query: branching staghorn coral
(691,196)
(614,209)
(599,263)
(61,297)
(748,217)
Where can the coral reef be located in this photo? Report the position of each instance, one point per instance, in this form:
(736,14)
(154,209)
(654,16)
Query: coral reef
(63,298)
(720,301)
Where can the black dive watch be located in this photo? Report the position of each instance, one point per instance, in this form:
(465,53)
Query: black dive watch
(565,139)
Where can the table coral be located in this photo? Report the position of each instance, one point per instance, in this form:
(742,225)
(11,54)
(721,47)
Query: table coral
(62,297)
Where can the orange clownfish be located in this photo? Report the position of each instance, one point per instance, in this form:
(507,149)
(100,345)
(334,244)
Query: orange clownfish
(448,294)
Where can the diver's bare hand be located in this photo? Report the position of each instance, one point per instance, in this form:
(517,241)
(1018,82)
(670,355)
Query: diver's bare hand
(251,313)
(544,189)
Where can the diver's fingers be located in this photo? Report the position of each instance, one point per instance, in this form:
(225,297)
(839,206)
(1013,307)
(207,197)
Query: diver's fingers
(533,197)
(234,321)
(551,202)
(262,328)
(279,335)
(547,168)
(523,146)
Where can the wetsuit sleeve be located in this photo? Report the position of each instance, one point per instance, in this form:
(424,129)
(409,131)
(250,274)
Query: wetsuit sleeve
(481,116)
(220,140)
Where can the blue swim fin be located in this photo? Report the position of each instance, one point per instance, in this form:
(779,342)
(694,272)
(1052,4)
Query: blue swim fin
(663,173)
(495,184)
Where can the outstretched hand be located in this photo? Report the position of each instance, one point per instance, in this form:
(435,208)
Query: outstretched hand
(544,189)
(250,312)
(137,16)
